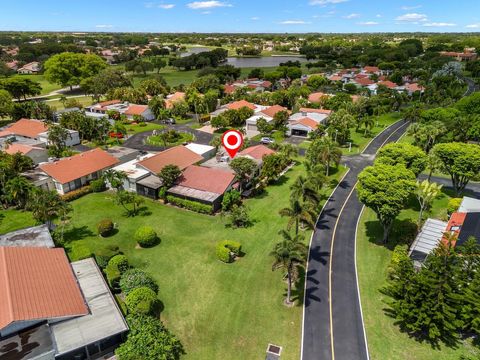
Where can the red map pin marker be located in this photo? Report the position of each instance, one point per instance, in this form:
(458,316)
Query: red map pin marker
(232,141)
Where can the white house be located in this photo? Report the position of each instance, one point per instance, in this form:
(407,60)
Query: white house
(30,68)
(72,139)
(306,120)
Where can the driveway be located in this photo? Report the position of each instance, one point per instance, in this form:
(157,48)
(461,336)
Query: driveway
(333,323)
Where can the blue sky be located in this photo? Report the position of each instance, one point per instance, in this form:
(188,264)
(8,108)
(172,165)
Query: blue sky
(242,15)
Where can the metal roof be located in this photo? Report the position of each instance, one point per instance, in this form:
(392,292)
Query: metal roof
(427,239)
(37,236)
(194,193)
(34,343)
(469,205)
(105,319)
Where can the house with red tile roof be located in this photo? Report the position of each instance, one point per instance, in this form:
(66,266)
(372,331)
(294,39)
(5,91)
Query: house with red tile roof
(76,171)
(30,68)
(268,113)
(139,110)
(173,98)
(129,110)
(318,97)
(36,153)
(306,120)
(204,185)
(362,81)
(27,128)
(236,105)
(52,309)
(371,70)
(256,152)
(389,84)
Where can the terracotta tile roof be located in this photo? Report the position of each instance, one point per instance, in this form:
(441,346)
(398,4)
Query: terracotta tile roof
(335,78)
(272,110)
(28,128)
(37,283)
(371,69)
(136,109)
(206,179)
(257,151)
(306,121)
(20,148)
(5,133)
(240,104)
(317,97)
(456,221)
(229,89)
(414,87)
(171,99)
(178,155)
(266,84)
(317,111)
(388,84)
(364,81)
(77,166)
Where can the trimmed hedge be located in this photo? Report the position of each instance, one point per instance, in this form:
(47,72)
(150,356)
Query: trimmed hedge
(453,205)
(226,250)
(105,227)
(76,194)
(98,185)
(113,276)
(190,205)
(141,300)
(135,278)
(120,262)
(103,255)
(146,237)
(79,251)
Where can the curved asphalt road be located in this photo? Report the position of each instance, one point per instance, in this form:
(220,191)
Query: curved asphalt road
(333,324)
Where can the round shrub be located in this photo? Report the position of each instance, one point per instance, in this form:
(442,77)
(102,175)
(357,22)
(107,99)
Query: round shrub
(135,278)
(226,250)
(104,254)
(453,205)
(105,227)
(113,276)
(98,185)
(145,236)
(141,300)
(120,262)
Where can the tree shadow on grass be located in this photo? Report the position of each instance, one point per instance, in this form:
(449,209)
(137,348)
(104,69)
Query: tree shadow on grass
(298,291)
(402,232)
(77,233)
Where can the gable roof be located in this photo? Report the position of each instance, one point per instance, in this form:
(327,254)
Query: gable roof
(206,179)
(171,99)
(388,84)
(240,104)
(257,151)
(306,121)
(136,109)
(371,69)
(316,97)
(364,81)
(21,148)
(37,283)
(77,166)
(272,110)
(108,102)
(30,128)
(178,155)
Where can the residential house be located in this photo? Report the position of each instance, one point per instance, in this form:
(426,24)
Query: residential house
(139,110)
(266,113)
(204,185)
(74,172)
(236,105)
(178,155)
(306,120)
(318,97)
(36,153)
(133,172)
(466,55)
(55,310)
(30,68)
(123,154)
(102,108)
(256,153)
(205,151)
(253,84)
(173,98)
(73,137)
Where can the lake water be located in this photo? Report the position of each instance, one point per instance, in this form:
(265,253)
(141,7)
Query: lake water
(250,62)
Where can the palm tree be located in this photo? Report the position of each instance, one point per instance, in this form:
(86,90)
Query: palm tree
(328,152)
(17,191)
(303,189)
(299,213)
(316,175)
(115,178)
(368,123)
(119,128)
(288,254)
(46,206)
(426,192)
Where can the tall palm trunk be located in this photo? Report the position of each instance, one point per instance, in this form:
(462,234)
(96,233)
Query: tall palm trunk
(289,285)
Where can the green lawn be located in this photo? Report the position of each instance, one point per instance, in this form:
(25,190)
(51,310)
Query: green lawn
(360,141)
(219,311)
(47,87)
(137,128)
(385,340)
(58,105)
(11,220)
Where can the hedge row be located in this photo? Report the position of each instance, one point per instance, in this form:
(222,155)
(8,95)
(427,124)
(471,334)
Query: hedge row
(76,194)
(190,205)
(115,267)
(226,250)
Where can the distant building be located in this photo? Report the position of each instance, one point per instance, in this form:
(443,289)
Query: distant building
(30,68)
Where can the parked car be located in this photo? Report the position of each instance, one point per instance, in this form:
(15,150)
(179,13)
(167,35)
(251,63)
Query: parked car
(169,121)
(267,140)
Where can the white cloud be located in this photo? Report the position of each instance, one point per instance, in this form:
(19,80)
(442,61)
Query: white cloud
(352,16)
(473,26)
(207,4)
(439,24)
(150,5)
(104,26)
(378,15)
(326,2)
(166,6)
(255,18)
(368,23)
(411,7)
(412,17)
(294,22)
